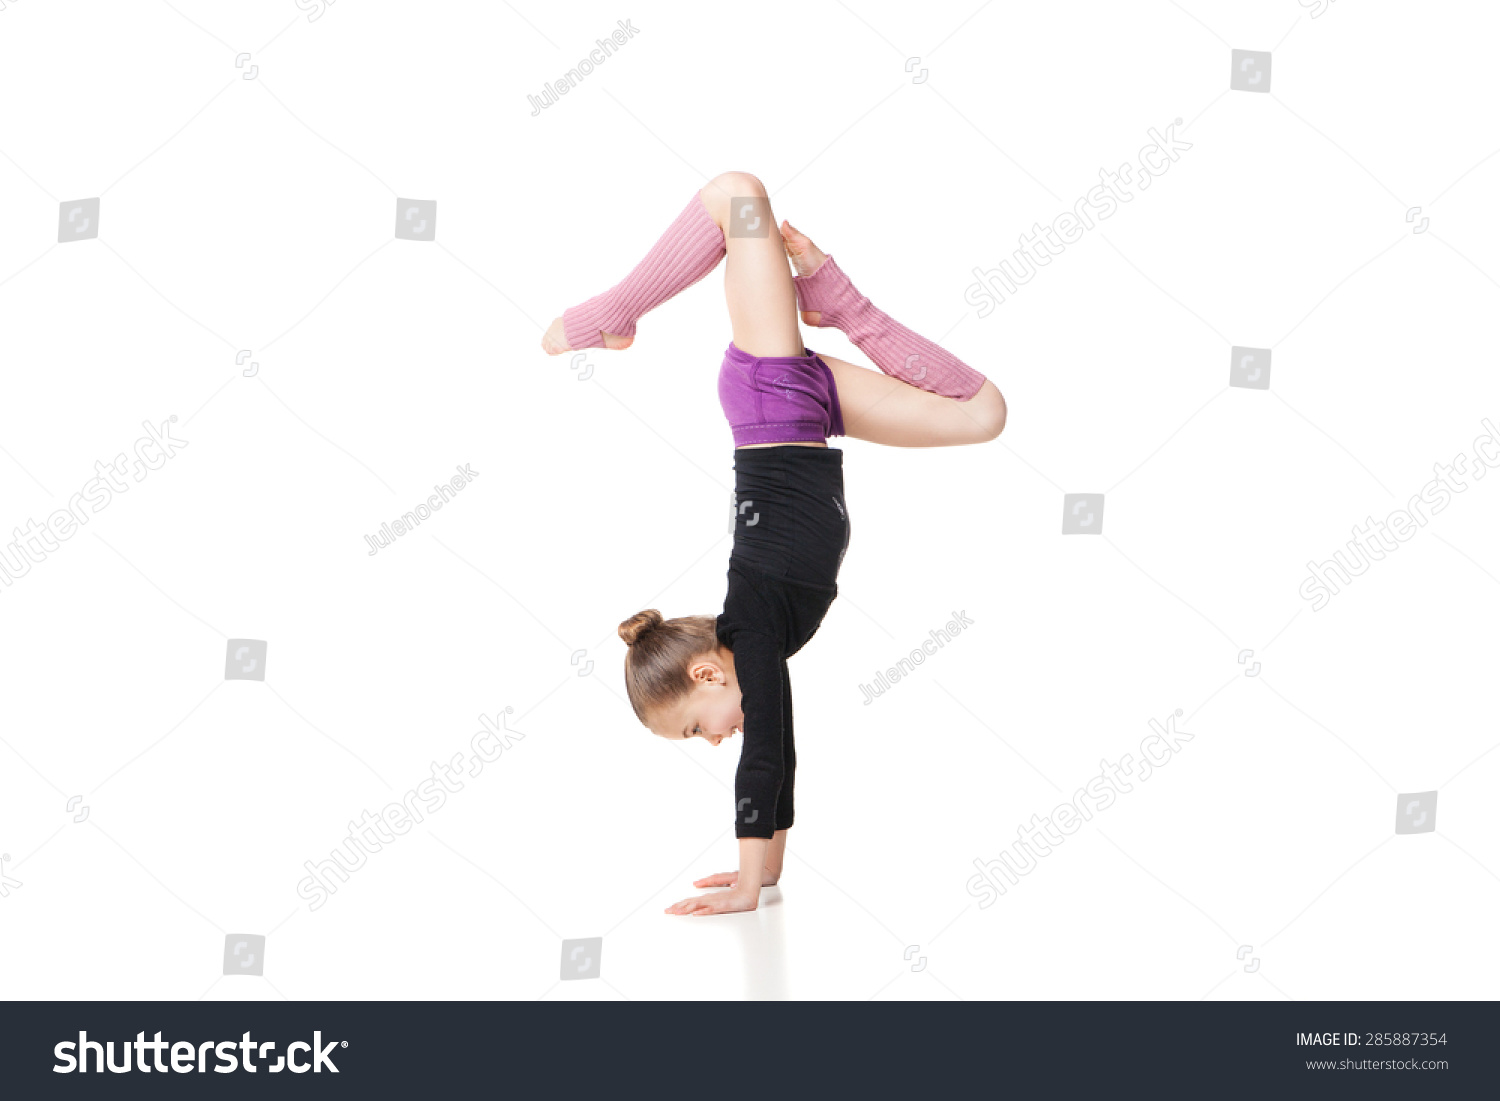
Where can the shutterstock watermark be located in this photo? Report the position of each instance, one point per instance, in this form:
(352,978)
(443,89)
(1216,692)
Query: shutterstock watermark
(1067,818)
(316,7)
(1318,6)
(1371,544)
(990,287)
(354,852)
(410,520)
(552,93)
(6,882)
(36,542)
(903,668)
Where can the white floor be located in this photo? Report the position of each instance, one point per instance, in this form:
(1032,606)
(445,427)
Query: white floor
(155,816)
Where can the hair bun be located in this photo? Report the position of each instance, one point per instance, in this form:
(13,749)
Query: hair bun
(638,624)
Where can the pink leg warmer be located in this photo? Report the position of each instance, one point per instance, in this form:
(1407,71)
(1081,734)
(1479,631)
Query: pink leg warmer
(691,247)
(896,350)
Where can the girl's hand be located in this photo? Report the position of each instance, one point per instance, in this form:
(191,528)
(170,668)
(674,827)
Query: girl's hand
(721,902)
(732,879)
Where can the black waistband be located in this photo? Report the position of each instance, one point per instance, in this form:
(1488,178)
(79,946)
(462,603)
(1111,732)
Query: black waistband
(741,562)
(787,456)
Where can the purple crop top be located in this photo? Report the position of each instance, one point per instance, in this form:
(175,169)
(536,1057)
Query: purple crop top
(779,399)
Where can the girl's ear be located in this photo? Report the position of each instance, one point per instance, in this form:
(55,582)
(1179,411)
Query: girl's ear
(707,671)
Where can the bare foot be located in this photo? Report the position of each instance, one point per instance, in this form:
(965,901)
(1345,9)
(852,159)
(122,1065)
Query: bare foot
(555,340)
(806,257)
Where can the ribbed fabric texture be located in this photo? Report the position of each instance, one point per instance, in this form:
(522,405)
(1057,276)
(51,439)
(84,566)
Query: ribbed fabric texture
(895,349)
(691,247)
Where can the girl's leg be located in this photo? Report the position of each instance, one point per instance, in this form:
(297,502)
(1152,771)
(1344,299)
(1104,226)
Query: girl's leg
(923,396)
(885,410)
(757,282)
(691,247)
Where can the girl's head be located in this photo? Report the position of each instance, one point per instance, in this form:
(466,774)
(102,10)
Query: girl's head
(679,679)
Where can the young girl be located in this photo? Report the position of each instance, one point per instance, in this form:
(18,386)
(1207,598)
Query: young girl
(709,677)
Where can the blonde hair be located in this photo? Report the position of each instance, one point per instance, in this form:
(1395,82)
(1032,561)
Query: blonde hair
(656,665)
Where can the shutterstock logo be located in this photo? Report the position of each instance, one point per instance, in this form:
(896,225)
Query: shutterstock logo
(38,540)
(184,1053)
(1035,251)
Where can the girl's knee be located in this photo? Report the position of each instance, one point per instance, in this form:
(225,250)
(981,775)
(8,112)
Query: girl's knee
(988,412)
(997,421)
(731,185)
(740,183)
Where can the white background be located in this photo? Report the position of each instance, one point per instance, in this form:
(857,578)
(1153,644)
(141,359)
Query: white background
(258,214)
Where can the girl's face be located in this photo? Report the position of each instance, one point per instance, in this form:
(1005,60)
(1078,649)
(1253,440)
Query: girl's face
(711,711)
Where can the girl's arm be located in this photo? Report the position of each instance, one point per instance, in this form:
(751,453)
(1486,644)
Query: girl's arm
(759,668)
(775,854)
(752,869)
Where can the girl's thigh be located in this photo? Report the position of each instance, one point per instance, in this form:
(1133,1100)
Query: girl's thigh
(885,410)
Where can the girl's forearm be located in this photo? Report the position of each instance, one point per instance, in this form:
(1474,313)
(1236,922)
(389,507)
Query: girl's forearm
(775,854)
(752,865)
